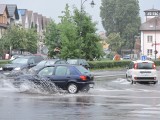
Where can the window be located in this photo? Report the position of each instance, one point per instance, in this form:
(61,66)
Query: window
(145,66)
(46,71)
(58,62)
(62,70)
(31,61)
(63,62)
(149,39)
(149,52)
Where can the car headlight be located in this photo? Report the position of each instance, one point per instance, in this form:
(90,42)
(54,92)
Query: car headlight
(17,68)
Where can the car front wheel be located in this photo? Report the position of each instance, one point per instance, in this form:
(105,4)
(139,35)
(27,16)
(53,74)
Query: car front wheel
(72,88)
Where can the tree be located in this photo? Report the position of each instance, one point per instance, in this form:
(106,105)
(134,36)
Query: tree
(18,38)
(121,16)
(31,40)
(90,41)
(51,38)
(114,40)
(70,43)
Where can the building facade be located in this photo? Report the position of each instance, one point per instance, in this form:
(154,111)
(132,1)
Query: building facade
(150,34)
(26,19)
(4,15)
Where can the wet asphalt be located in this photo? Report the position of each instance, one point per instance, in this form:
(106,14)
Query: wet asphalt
(112,98)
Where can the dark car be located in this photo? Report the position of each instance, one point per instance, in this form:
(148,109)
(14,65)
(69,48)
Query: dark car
(82,62)
(22,63)
(72,78)
(48,62)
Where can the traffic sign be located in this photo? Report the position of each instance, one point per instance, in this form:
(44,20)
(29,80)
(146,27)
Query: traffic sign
(143,57)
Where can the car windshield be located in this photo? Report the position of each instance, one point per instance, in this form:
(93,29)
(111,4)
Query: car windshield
(145,66)
(72,61)
(82,69)
(20,61)
(45,63)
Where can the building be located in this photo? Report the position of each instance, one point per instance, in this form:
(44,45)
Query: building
(4,15)
(150,34)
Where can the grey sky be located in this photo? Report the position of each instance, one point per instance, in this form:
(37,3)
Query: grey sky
(53,8)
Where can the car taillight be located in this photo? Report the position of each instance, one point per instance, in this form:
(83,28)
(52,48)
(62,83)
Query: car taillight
(154,66)
(135,66)
(83,77)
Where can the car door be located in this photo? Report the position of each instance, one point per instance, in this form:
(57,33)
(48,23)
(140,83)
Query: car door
(61,76)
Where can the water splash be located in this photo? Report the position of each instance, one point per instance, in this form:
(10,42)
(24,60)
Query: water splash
(41,86)
(44,86)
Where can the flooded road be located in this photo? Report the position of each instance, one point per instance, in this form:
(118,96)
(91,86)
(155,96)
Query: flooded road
(112,98)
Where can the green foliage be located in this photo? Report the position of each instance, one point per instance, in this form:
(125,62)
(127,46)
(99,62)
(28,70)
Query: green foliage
(121,16)
(51,38)
(31,40)
(115,41)
(71,44)
(89,41)
(3,62)
(19,38)
(108,64)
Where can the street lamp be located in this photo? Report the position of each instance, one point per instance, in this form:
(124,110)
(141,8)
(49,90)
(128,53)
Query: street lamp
(82,3)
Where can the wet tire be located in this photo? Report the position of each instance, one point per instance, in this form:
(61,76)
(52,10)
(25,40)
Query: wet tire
(127,78)
(72,88)
(133,82)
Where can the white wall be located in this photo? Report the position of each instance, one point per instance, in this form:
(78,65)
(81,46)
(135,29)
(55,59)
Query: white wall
(145,45)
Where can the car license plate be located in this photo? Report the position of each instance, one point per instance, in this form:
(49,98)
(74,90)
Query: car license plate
(145,74)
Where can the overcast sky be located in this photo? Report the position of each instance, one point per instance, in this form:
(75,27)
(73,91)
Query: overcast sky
(53,8)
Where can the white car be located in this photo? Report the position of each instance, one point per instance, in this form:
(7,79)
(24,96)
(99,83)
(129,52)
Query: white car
(142,71)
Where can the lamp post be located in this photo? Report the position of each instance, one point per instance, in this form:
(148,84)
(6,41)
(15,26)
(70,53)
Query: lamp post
(82,3)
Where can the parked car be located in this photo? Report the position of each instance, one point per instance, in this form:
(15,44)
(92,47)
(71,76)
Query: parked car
(82,62)
(72,78)
(16,56)
(48,62)
(22,63)
(126,57)
(142,71)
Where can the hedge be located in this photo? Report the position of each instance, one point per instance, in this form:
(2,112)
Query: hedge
(112,64)
(2,62)
(108,64)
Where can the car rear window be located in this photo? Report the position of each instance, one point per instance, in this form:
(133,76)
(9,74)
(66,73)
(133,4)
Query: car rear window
(82,69)
(145,65)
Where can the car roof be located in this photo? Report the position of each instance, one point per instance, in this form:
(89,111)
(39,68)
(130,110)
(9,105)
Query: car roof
(141,61)
(61,65)
(52,60)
